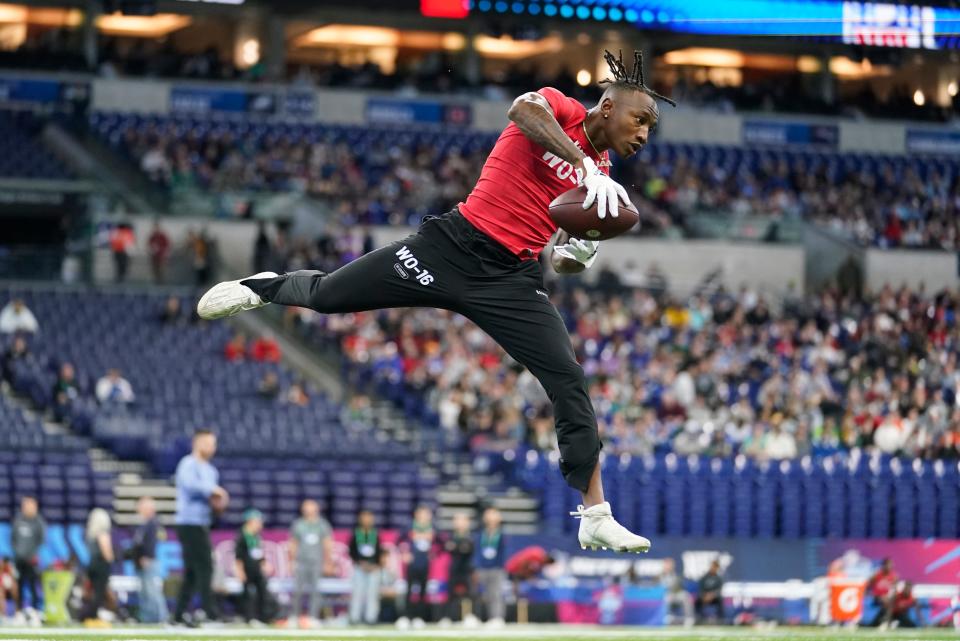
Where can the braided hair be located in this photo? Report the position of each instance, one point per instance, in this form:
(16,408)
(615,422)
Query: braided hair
(632,79)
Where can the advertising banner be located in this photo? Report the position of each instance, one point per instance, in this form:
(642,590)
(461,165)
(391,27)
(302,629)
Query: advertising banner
(391,111)
(201,100)
(790,134)
(924,141)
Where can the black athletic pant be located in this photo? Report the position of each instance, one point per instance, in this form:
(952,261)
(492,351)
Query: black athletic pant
(255,597)
(197,570)
(417,577)
(450,264)
(99,575)
(458,589)
(27,576)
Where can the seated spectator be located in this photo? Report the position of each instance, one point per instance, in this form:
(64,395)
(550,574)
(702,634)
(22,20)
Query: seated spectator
(675,594)
(527,564)
(17,317)
(171,313)
(269,386)
(114,389)
(296,395)
(265,350)
(710,592)
(903,603)
(65,391)
(18,351)
(779,444)
(236,349)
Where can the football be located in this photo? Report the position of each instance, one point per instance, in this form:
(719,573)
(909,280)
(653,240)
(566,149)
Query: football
(568,213)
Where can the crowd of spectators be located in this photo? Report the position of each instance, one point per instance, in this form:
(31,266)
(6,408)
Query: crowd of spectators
(720,374)
(388,183)
(882,208)
(394,183)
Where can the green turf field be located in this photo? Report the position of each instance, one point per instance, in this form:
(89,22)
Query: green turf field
(511,633)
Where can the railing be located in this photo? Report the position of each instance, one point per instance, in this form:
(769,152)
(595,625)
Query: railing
(35,262)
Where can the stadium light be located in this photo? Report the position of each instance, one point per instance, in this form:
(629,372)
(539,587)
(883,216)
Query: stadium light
(508,48)
(808,64)
(250,52)
(47,16)
(154,26)
(919,99)
(584,77)
(952,88)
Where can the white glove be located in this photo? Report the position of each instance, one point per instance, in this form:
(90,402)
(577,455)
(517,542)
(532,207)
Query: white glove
(582,251)
(604,189)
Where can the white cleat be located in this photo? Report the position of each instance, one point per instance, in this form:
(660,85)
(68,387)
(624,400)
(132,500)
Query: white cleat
(230,297)
(598,529)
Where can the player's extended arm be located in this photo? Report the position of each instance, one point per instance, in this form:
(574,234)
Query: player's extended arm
(533,115)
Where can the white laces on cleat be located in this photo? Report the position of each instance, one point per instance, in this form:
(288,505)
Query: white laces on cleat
(598,529)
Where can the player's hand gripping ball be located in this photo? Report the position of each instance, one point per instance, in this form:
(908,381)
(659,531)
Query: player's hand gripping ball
(596,210)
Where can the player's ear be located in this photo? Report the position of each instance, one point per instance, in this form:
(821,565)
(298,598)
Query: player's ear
(606,106)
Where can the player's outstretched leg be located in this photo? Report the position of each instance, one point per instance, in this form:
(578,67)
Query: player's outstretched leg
(524,322)
(230,297)
(418,271)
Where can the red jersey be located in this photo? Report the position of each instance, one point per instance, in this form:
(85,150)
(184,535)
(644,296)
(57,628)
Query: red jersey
(527,562)
(520,179)
(881,583)
(903,602)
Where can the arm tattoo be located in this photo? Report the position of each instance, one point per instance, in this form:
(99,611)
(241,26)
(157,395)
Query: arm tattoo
(540,126)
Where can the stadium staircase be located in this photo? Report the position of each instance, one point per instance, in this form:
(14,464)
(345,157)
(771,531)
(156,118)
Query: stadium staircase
(467,484)
(130,479)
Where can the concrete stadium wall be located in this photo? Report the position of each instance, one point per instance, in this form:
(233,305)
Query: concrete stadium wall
(774,269)
(934,270)
(767,268)
(234,247)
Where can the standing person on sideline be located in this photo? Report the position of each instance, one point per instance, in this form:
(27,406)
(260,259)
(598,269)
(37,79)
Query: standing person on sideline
(490,572)
(417,561)
(26,536)
(480,260)
(153,605)
(460,581)
(710,591)
(197,490)
(311,552)
(675,596)
(252,567)
(122,240)
(365,553)
(159,247)
(100,547)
